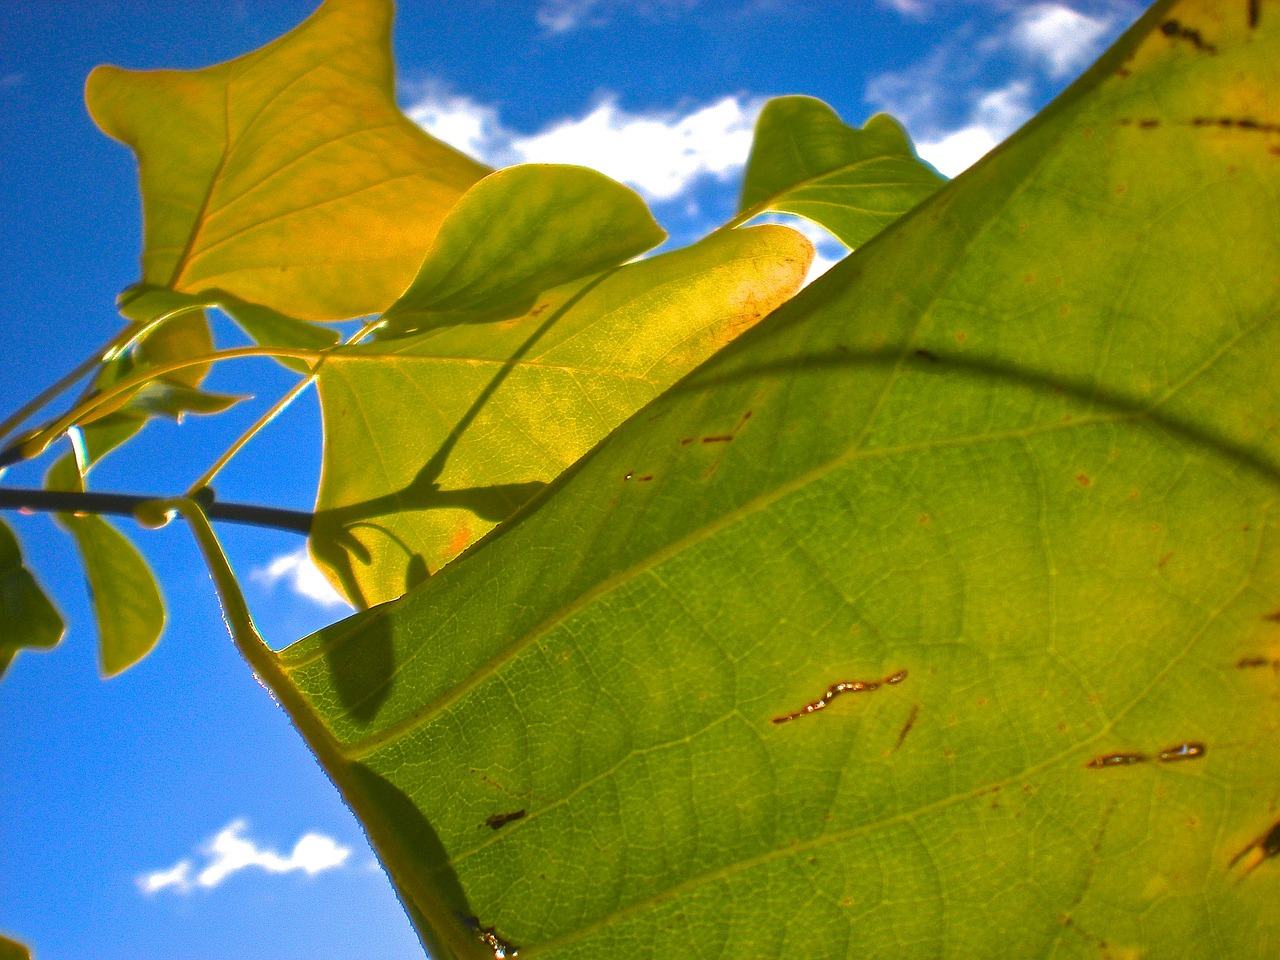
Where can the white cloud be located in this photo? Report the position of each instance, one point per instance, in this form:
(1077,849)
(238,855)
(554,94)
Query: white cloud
(178,876)
(1062,38)
(302,575)
(908,8)
(659,153)
(981,83)
(561,16)
(229,851)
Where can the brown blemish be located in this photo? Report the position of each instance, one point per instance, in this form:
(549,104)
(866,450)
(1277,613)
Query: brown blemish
(924,519)
(1176,31)
(961,336)
(1239,123)
(1148,124)
(1083,479)
(1122,72)
(1163,560)
(1267,844)
(645,479)
(686,441)
(1274,616)
(1116,760)
(1255,663)
(906,727)
(1254,13)
(838,689)
(719,438)
(927,355)
(1182,751)
(500,820)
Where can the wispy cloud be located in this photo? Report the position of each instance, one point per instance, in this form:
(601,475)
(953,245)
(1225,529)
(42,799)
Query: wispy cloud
(229,852)
(1062,39)
(661,153)
(988,77)
(300,573)
(563,16)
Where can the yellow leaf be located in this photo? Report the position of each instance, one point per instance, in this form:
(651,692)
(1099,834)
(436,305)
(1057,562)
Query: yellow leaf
(288,176)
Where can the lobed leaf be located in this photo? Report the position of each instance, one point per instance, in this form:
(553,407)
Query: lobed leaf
(517,233)
(805,160)
(431,440)
(28,617)
(947,624)
(287,177)
(126,599)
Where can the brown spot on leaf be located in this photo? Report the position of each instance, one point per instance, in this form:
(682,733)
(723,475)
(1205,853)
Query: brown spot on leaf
(1083,479)
(500,820)
(1116,760)
(1163,560)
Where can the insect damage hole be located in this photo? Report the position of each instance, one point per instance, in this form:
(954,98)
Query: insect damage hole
(843,687)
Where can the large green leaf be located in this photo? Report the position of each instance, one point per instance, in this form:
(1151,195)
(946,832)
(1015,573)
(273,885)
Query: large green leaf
(1018,455)
(805,160)
(517,233)
(126,600)
(287,177)
(27,618)
(431,440)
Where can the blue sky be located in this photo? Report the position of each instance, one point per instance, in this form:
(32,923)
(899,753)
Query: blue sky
(172,812)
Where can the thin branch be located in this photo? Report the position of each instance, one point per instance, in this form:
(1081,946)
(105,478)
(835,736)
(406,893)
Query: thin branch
(124,505)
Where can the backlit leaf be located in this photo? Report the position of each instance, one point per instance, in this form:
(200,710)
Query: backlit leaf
(27,616)
(805,160)
(126,600)
(431,440)
(1010,475)
(521,231)
(287,177)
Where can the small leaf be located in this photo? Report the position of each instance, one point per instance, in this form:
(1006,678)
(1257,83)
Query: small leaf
(431,440)
(521,231)
(270,328)
(805,160)
(287,177)
(126,600)
(27,616)
(11,949)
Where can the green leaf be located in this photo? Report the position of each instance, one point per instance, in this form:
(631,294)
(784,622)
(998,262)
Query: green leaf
(268,328)
(181,332)
(287,177)
(805,160)
(517,233)
(12,950)
(126,600)
(29,619)
(431,440)
(1014,467)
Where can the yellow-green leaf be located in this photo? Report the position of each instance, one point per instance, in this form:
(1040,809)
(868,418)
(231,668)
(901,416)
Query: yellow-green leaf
(518,232)
(431,440)
(12,950)
(126,600)
(27,616)
(805,160)
(964,648)
(287,177)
